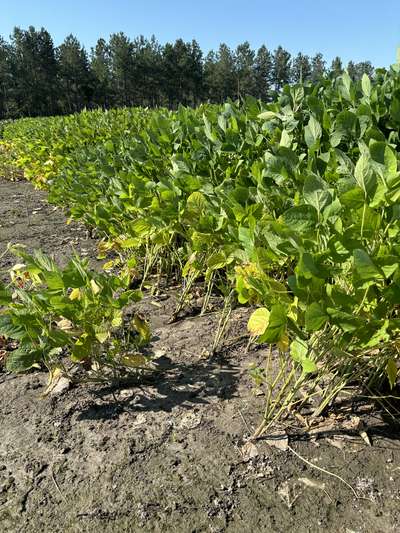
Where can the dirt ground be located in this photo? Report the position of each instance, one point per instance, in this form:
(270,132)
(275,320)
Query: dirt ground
(168,456)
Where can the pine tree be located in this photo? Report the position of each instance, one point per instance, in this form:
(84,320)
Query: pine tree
(196,73)
(100,63)
(263,73)
(318,68)
(244,61)
(222,83)
(77,84)
(336,67)
(123,83)
(365,67)
(153,69)
(6,81)
(34,70)
(281,68)
(173,66)
(301,68)
(36,79)
(352,70)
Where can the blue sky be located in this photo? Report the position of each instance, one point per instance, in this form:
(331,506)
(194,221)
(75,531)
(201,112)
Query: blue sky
(353,29)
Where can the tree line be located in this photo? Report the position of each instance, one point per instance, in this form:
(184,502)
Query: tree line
(37,78)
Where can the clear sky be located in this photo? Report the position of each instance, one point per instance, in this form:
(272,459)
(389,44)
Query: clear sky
(353,29)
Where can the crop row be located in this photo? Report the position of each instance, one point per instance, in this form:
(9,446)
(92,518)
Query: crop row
(292,206)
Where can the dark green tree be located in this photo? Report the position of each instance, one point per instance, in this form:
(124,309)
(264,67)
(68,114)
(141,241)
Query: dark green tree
(318,68)
(301,68)
(263,73)
(281,68)
(153,73)
(244,61)
(183,73)
(6,81)
(365,67)
(122,69)
(100,63)
(76,80)
(336,67)
(220,78)
(34,70)
(352,70)
(37,79)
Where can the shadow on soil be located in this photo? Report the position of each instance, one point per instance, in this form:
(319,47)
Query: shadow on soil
(178,384)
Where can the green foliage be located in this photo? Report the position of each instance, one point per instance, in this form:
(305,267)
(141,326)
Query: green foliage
(73,311)
(294,204)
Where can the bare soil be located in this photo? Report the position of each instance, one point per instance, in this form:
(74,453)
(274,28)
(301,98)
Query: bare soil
(167,456)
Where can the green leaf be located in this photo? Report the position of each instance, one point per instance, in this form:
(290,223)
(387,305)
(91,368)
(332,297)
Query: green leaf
(23,358)
(346,321)
(196,200)
(54,280)
(395,110)
(353,198)
(315,192)
(345,124)
(11,330)
(365,267)
(277,325)
(298,350)
(5,295)
(315,317)
(312,132)
(211,135)
(267,115)
(385,159)
(82,348)
(366,85)
(378,336)
(301,218)
(362,171)
(258,321)
(308,365)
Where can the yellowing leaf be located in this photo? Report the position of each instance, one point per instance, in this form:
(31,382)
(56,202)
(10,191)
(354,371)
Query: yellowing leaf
(392,371)
(75,294)
(196,200)
(258,322)
(134,360)
(117,320)
(102,334)
(109,265)
(142,327)
(283,344)
(95,288)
